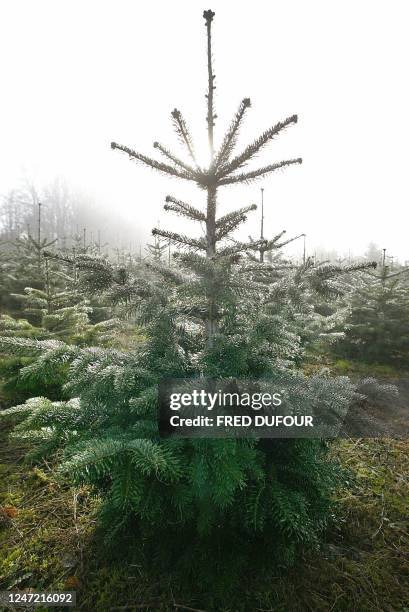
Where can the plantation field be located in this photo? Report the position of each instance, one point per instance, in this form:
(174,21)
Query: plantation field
(48,541)
(95,497)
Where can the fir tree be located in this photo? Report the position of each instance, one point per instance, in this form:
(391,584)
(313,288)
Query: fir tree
(377,327)
(212,506)
(26,265)
(157,251)
(224,168)
(62,312)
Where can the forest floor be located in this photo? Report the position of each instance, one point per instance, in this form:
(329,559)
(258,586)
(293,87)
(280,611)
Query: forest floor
(47,541)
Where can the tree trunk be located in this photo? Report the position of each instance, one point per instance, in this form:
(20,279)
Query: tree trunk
(211,322)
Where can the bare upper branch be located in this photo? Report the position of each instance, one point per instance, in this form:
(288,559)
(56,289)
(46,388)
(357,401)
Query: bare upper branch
(255,146)
(236,213)
(172,157)
(183,132)
(183,208)
(255,174)
(232,133)
(152,163)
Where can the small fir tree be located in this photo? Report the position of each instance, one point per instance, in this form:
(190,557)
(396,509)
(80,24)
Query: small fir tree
(377,327)
(62,312)
(158,250)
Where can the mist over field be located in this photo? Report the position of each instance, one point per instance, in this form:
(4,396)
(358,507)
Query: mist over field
(76,76)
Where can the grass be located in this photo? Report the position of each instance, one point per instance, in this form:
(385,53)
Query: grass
(44,524)
(345,367)
(47,541)
(354,369)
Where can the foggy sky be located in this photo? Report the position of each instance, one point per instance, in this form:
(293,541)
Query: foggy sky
(76,75)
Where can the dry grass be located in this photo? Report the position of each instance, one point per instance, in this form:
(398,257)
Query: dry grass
(364,564)
(45,524)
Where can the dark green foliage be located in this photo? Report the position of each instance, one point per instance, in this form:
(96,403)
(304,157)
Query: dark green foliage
(227,496)
(377,328)
(15,388)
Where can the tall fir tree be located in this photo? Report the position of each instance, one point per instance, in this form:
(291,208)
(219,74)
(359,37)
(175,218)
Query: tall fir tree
(211,506)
